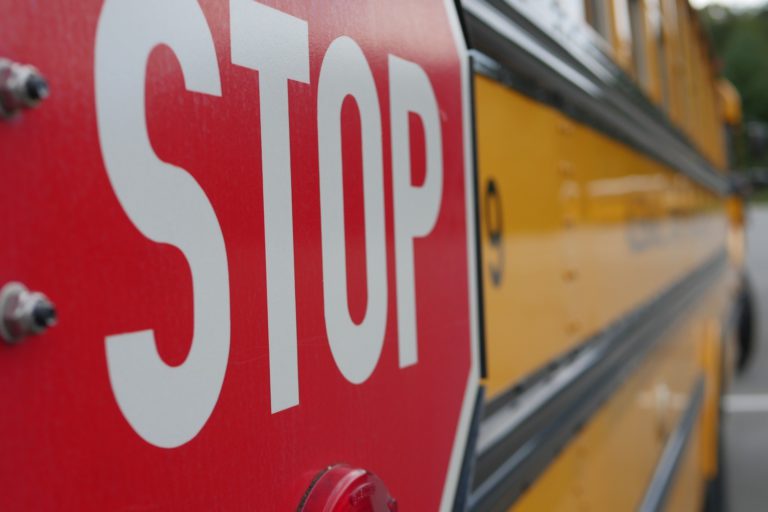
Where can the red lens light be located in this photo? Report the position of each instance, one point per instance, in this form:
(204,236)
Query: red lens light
(345,489)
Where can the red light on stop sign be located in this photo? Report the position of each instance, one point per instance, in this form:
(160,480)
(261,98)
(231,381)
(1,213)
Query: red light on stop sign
(345,489)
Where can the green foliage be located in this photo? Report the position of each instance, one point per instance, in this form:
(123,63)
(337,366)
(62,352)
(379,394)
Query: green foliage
(761,196)
(741,41)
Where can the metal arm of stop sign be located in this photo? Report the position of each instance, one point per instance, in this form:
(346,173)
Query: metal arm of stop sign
(168,406)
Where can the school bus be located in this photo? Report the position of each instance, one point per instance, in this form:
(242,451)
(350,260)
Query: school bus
(611,254)
(368,255)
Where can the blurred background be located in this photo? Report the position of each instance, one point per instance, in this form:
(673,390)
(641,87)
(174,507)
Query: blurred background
(739,31)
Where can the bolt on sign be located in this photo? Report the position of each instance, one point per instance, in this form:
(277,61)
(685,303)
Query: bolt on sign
(255,220)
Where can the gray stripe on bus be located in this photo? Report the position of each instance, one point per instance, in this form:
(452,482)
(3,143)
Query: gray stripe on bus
(513,51)
(527,427)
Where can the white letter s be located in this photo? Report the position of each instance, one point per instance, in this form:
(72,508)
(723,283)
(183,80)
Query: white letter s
(167,406)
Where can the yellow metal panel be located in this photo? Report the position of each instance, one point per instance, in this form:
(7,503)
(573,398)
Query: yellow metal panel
(711,356)
(559,489)
(577,230)
(610,462)
(525,305)
(627,437)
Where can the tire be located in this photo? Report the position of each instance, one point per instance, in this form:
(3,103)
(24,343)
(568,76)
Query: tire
(746,325)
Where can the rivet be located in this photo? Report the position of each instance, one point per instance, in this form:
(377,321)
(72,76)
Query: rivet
(570,275)
(572,327)
(566,168)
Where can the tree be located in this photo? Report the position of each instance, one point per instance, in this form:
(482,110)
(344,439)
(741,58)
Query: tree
(740,39)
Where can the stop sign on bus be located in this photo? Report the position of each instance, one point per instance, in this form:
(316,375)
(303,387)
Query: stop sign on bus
(282,211)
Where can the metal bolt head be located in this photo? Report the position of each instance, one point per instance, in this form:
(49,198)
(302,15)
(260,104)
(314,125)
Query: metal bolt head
(21,87)
(24,313)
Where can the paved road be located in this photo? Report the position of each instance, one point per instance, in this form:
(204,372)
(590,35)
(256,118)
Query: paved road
(746,423)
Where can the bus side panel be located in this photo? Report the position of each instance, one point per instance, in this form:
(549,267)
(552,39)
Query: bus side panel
(577,231)
(611,463)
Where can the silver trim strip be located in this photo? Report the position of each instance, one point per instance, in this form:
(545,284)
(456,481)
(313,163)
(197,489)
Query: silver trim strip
(663,477)
(523,432)
(570,66)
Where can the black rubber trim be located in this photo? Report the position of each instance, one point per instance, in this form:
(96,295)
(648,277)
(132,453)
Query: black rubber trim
(746,324)
(462,22)
(583,84)
(478,235)
(525,429)
(661,483)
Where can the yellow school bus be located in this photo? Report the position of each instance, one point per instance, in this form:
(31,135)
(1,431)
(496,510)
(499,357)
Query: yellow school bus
(611,250)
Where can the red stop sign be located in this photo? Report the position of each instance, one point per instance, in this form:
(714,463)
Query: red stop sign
(256,222)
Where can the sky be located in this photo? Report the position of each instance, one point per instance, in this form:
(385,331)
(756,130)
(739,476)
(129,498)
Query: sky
(729,3)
